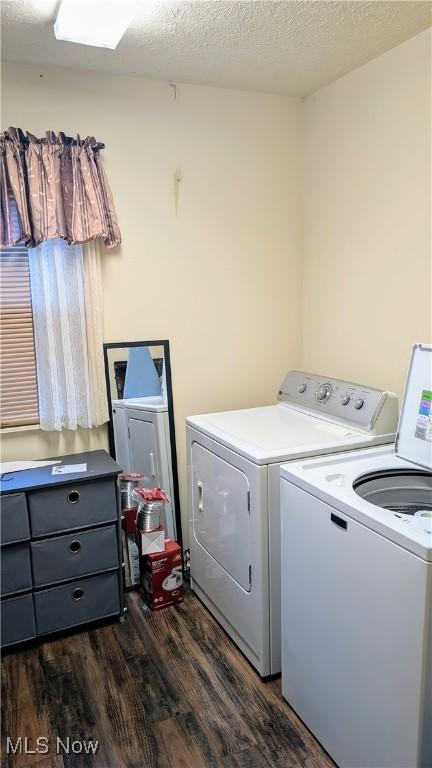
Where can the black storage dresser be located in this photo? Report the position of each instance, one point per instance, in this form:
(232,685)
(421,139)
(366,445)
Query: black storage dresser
(60,548)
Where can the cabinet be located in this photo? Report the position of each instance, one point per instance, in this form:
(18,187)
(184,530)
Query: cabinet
(60,548)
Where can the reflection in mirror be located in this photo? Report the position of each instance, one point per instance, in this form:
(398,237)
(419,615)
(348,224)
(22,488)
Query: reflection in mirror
(137,372)
(142,437)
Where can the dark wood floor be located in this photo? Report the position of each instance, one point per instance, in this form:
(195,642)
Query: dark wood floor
(163,690)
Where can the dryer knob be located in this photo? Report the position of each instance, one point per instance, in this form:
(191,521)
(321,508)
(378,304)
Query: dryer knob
(301,388)
(358,403)
(323,393)
(345,399)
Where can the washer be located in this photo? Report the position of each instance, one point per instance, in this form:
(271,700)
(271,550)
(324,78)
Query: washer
(357,592)
(142,444)
(234,460)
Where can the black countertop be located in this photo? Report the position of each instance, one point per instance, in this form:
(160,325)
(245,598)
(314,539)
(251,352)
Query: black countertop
(99,465)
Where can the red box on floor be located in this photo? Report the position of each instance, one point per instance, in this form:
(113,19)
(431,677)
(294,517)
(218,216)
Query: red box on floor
(129,519)
(161,577)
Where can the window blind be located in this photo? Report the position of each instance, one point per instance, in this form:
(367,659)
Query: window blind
(18,382)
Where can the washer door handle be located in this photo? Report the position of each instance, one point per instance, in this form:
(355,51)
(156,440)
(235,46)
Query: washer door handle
(339,521)
(200,496)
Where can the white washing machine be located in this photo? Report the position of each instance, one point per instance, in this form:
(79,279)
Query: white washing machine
(357,592)
(234,461)
(142,444)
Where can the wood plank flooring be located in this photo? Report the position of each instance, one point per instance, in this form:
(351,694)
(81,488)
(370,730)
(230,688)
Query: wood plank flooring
(162,690)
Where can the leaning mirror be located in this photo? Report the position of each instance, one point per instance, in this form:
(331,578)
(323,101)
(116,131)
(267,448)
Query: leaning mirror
(142,434)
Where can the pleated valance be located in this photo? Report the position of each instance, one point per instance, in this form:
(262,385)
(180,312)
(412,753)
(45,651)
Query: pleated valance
(54,187)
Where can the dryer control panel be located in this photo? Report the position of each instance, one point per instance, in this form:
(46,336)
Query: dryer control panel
(366,408)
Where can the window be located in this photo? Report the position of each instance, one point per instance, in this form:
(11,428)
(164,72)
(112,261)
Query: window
(18,381)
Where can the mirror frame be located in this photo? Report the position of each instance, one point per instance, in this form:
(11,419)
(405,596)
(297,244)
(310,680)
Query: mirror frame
(167,360)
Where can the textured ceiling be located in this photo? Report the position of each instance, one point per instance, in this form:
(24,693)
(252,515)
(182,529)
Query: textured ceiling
(292,47)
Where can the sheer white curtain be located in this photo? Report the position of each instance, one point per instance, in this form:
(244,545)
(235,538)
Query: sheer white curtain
(67,316)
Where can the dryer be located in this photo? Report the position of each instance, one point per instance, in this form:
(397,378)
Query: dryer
(234,516)
(142,444)
(357,591)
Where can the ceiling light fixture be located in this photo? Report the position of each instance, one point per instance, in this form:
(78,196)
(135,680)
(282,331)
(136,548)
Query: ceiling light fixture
(101,23)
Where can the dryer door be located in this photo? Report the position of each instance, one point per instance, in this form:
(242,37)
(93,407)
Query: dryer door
(143,451)
(221,513)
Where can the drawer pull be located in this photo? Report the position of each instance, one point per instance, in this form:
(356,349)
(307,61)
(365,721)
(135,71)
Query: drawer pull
(78,594)
(73,497)
(74,546)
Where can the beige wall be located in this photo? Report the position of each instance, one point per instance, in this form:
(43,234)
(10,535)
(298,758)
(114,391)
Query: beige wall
(367,224)
(217,272)
(216,267)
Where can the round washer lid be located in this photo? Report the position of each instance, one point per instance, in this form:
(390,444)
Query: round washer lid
(414,435)
(403,491)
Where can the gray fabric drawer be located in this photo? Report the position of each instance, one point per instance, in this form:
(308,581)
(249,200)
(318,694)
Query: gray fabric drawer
(75,555)
(76,603)
(17,620)
(15,569)
(73,506)
(14,519)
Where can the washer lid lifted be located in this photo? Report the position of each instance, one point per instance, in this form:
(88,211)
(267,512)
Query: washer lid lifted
(414,435)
